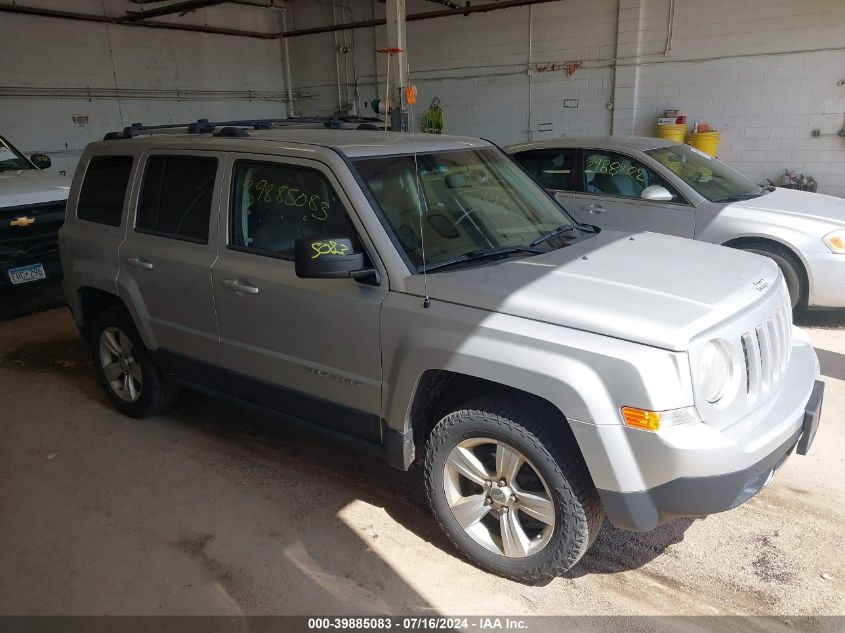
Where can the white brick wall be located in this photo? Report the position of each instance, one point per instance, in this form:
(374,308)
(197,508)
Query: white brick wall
(53,53)
(765,104)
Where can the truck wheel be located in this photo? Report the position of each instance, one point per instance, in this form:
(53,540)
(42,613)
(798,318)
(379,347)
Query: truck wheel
(510,495)
(125,368)
(790,269)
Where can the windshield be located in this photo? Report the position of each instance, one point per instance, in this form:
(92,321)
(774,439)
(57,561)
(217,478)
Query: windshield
(471,201)
(708,176)
(10,158)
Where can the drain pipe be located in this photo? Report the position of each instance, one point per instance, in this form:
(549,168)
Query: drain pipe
(283,19)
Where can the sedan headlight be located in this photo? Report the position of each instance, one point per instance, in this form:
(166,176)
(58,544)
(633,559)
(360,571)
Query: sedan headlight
(715,370)
(835,241)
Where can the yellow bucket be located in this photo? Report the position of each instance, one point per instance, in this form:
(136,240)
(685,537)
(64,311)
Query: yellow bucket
(672,132)
(707,142)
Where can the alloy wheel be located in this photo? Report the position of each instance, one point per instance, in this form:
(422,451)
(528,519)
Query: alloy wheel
(499,497)
(120,364)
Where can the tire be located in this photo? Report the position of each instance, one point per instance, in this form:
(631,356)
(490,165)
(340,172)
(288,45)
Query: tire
(792,272)
(112,335)
(553,484)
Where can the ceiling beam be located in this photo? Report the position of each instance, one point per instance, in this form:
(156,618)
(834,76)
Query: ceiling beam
(413,17)
(102,19)
(179,7)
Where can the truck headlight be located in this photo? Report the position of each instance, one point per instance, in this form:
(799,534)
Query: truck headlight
(715,370)
(835,241)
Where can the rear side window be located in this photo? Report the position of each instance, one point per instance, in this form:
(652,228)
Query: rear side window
(176,197)
(551,167)
(103,189)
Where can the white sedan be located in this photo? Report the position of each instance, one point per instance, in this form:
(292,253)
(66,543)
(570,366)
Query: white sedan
(649,184)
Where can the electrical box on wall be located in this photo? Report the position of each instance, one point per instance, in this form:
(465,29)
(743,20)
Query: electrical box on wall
(545,127)
(570,103)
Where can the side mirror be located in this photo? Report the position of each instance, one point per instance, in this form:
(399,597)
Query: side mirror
(42,161)
(328,258)
(656,193)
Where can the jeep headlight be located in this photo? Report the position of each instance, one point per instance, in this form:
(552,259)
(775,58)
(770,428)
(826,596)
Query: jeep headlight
(835,241)
(715,370)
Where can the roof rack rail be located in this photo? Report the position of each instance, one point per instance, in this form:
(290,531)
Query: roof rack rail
(204,126)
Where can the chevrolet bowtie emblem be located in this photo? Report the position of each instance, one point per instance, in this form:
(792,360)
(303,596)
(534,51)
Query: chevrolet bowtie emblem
(22,221)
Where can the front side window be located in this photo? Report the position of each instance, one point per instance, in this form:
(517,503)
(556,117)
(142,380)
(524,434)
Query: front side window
(463,201)
(176,197)
(552,168)
(274,204)
(104,189)
(710,177)
(11,159)
(614,174)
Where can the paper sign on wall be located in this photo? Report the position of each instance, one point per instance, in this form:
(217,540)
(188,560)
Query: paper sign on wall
(81,120)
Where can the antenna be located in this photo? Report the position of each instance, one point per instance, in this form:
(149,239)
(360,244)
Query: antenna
(420,201)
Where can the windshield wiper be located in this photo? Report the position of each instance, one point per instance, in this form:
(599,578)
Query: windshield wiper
(563,228)
(738,197)
(484,254)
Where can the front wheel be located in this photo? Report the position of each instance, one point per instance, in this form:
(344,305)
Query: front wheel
(791,273)
(511,496)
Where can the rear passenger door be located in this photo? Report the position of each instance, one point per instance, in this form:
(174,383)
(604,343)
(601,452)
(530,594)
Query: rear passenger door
(554,168)
(165,261)
(307,347)
(612,184)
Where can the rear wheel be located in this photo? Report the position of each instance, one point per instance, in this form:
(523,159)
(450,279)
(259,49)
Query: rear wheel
(125,368)
(510,496)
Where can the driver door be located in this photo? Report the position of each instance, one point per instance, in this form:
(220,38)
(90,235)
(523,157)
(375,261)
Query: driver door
(309,348)
(610,197)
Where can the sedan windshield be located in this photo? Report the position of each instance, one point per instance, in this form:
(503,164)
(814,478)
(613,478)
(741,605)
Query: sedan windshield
(11,159)
(710,177)
(464,205)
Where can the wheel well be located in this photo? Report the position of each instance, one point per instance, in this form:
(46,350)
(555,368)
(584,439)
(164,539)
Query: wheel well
(743,243)
(440,392)
(93,301)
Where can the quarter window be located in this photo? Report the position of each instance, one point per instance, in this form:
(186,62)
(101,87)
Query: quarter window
(615,174)
(274,204)
(103,189)
(176,197)
(552,168)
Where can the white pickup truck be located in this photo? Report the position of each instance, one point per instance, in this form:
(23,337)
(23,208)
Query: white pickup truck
(32,210)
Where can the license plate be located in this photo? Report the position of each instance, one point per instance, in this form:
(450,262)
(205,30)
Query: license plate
(812,414)
(25,274)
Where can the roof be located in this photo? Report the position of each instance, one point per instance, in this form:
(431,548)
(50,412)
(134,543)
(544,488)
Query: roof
(352,143)
(640,143)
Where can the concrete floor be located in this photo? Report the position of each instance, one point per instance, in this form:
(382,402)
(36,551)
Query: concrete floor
(211,510)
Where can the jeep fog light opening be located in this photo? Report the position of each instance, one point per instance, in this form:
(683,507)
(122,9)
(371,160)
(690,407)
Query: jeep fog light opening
(715,370)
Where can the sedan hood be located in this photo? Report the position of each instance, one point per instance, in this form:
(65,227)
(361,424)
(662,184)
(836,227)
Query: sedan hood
(648,288)
(797,203)
(31,186)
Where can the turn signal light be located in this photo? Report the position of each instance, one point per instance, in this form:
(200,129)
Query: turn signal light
(641,419)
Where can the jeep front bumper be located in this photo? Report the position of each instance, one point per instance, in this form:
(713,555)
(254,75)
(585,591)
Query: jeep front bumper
(646,478)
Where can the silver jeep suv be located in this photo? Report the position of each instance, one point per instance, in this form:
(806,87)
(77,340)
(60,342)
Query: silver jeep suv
(423,299)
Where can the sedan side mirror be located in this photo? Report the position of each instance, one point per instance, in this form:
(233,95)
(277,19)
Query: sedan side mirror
(656,193)
(42,161)
(328,258)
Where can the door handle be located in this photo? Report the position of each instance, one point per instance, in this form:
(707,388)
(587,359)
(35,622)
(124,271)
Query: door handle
(137,262)
(236,286)
(594,208)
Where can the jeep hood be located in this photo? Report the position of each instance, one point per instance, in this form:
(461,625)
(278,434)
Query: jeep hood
(799,204)
(649,288)
(31,186)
